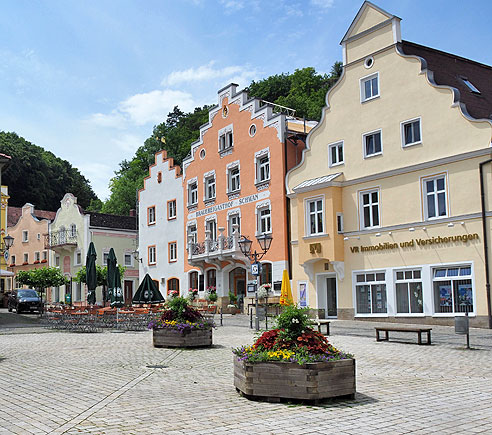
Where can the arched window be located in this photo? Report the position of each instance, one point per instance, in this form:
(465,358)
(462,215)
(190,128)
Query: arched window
(211,278)
(194,280)
(172,284)
(266,273)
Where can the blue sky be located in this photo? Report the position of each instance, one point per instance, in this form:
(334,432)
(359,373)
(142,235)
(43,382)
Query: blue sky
(88,79)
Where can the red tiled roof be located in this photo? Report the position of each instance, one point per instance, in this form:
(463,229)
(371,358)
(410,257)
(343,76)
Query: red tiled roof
(450,70)
(14,214)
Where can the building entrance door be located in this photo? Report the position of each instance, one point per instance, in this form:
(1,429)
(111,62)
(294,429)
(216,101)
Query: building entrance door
(331,297)
(237,283)
(128,292)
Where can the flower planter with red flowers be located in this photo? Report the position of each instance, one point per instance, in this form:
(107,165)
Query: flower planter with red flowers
(44,261)
(36,262)
(25,262)
(293,362)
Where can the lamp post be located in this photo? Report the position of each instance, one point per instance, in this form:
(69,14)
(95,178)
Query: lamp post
(265,241)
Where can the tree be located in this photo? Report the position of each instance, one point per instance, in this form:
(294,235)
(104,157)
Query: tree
(41,278)
(101,272)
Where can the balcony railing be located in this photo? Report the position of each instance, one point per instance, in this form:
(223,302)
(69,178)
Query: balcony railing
(224,248)
(60,238)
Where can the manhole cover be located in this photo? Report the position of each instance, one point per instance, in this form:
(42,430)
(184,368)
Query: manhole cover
(157,367)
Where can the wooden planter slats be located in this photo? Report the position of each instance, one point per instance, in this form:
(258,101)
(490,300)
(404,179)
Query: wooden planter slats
(286,380)
(171,338)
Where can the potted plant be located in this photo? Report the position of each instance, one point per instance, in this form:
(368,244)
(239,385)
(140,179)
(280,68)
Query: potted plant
(173,294)
(211,294)
(293,361)
(192,294)
(181,326)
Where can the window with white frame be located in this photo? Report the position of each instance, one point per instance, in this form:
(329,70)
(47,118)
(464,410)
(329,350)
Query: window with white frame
(12,259)
(25,236)
(45,255)
(105,258)
(192,233)
(264,220)
(152,254)
(73,230)
(339,223)
(369,208)
(173,251)
(370,293)
(234,183)
(57,261)
(37,257)
(234,219)
(171,209)
(411,132)
(372,144)
(26,258)
(263,168)
(453,289)
(129,260)
(226,141)
(151,215)
(315,216)
(211,226)
(434,189)
(193,193)
(369,87)
(336,153)
(209,188)
(409,298)
(78,258)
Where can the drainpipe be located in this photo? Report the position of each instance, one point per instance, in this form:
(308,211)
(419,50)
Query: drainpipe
(485,242)
(287,205)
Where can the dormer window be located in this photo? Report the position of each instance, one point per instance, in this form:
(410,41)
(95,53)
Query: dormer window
(470,85)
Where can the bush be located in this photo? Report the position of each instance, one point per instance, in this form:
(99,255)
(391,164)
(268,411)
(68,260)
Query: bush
(293,321)
(232,298)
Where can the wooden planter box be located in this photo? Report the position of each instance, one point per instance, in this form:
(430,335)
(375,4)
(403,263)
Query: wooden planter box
(277,380)
(172,338)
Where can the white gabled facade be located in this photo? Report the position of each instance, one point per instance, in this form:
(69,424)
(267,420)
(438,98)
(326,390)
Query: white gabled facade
(161,222)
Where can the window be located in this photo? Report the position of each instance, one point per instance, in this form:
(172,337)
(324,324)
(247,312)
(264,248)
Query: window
(78,258)
(39,236)
(78,292)
(193,193)
(372,144)
(152,254)
(370,293)
(211,226)
(105,258)
(435,197)
(252,130)
(225,141)
(45,255)
(315,216)
(369,209)
(266,273)
(336,154)
(263,165)
(193,280)
(369,87)
(73,230)
(409,292)
(410,132)
(57,261)
(453,290)
(172,285)
(210,188)
(12,259)
(211,278)
(171,209)
(25,236)
(234,219)
(129,260)
(151,215)
(173,252)
(234,182)
(37,257)
(192,233)
(470,85)
(26,258)
(264,220)
(339,223)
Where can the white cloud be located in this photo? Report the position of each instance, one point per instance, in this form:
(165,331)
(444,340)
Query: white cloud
(323,4)
(207,73)
(112,120)
(232,5)
(128,142)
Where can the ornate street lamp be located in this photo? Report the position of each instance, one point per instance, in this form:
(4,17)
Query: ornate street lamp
(8,241)
(265,241)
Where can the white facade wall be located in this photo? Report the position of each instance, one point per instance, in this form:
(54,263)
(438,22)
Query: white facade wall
(163,231)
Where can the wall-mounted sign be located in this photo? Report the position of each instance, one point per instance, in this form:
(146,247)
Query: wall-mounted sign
(464,238)
(230,204)
(315,248)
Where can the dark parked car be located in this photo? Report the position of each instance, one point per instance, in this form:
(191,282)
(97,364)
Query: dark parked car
(24,300)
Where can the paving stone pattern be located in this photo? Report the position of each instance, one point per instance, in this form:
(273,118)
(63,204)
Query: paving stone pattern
(59,382)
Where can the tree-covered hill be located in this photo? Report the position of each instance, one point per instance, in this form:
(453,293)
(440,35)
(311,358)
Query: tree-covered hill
(39,177)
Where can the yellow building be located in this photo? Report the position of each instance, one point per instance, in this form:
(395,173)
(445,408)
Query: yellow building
(5,275)
(386,205)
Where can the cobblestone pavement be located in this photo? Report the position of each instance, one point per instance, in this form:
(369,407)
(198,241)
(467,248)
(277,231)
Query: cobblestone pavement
(59,382)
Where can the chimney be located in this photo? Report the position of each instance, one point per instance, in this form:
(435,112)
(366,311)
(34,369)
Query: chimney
(133,212)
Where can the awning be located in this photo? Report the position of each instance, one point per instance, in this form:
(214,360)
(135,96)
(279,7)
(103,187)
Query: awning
(6,273)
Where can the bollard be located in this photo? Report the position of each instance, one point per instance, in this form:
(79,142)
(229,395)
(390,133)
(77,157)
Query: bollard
(221,317)
(462,326)
(251,318)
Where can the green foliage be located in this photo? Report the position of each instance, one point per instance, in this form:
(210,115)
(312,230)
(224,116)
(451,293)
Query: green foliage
(232,298)
(293,321)
(304,90)
(41,278)
(39,177)
(101,272)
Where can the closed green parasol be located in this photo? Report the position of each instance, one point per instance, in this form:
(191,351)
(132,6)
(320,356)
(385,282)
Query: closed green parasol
(114,281)
(147,292)
(91,274)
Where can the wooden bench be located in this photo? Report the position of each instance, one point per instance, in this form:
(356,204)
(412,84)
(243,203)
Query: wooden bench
(319,322)
(418,330)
